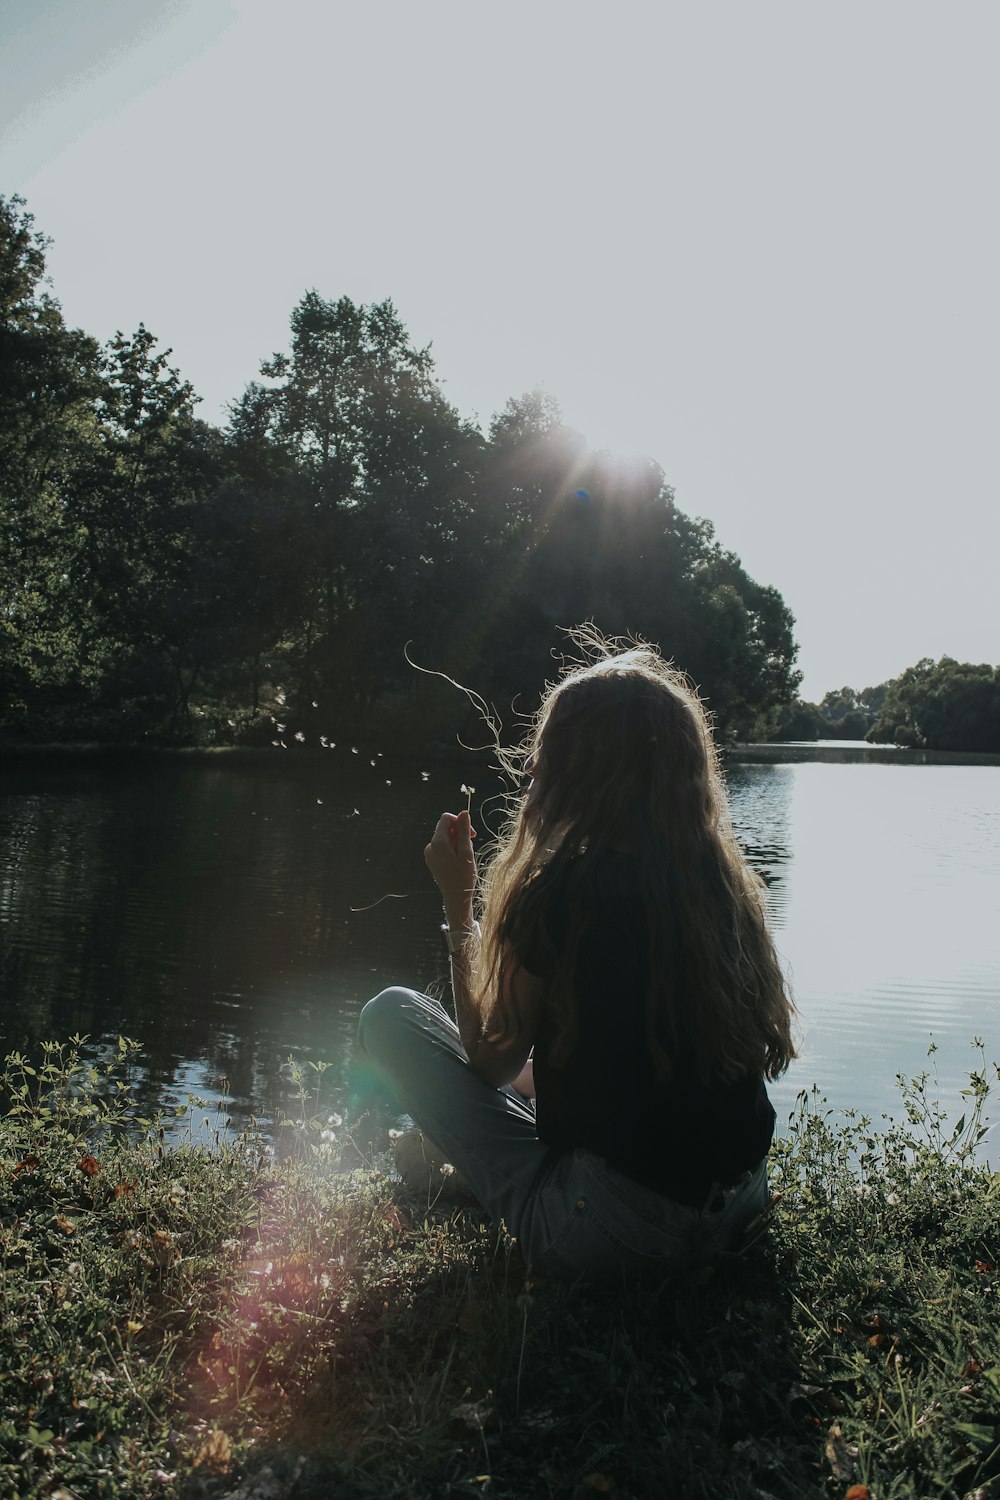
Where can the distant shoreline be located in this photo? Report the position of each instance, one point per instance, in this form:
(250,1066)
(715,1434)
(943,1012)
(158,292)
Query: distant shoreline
(855,753)
(766,753)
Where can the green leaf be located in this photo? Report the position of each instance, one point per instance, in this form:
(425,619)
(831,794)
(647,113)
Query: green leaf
(981,1435)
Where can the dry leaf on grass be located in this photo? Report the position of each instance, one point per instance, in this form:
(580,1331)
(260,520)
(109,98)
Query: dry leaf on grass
(215,1453)
(841,1454)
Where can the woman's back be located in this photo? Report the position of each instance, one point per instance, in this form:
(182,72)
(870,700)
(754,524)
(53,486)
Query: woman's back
(678,1133)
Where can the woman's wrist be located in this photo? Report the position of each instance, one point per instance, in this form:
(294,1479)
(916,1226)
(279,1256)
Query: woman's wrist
(457,937)
(458,915)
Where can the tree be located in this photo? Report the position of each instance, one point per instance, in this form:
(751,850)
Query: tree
(383,468)
(578,534)
(944,705)
(139,506)
(49,383)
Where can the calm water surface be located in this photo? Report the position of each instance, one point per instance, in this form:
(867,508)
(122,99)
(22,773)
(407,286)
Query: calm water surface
(226,916)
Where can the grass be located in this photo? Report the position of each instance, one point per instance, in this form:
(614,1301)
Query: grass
(178,1321)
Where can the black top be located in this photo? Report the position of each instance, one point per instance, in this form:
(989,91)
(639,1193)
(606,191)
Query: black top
(677,1136)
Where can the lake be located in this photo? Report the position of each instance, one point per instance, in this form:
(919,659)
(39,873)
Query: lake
(231,913)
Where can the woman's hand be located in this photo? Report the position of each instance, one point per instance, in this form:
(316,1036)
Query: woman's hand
(452,863)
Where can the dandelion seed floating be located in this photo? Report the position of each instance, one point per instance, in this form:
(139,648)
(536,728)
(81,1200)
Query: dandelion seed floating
(354,749)
(280,728)
(372,762)
(319,801)
(425,776)
(388,783)
(315,704)
(324,742)
(300,736)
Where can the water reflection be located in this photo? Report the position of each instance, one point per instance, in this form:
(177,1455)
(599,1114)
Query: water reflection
(760,805)
(230,917)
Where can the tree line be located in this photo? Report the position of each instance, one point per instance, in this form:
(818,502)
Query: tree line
(163,579)
(943,705)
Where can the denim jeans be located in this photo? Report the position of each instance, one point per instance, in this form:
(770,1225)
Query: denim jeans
(572,1214)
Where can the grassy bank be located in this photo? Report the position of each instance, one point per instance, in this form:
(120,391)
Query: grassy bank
(183,1323)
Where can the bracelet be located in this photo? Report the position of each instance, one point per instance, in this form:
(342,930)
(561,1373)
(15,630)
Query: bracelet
(457,938)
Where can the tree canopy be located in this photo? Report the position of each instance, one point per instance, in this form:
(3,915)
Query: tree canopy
(944,705)
(161,577)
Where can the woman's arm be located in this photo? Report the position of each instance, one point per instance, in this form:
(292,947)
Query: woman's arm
(498,1060)
(452,863)
(524,1083)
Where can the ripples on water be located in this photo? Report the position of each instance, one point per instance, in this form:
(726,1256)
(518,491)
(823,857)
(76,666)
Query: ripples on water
(209,913)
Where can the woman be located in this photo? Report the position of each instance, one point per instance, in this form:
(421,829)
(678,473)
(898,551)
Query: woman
(623,960)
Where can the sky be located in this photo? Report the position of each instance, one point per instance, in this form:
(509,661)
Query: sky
(758,242)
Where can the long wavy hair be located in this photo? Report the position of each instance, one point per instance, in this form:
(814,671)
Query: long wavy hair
(622,756)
